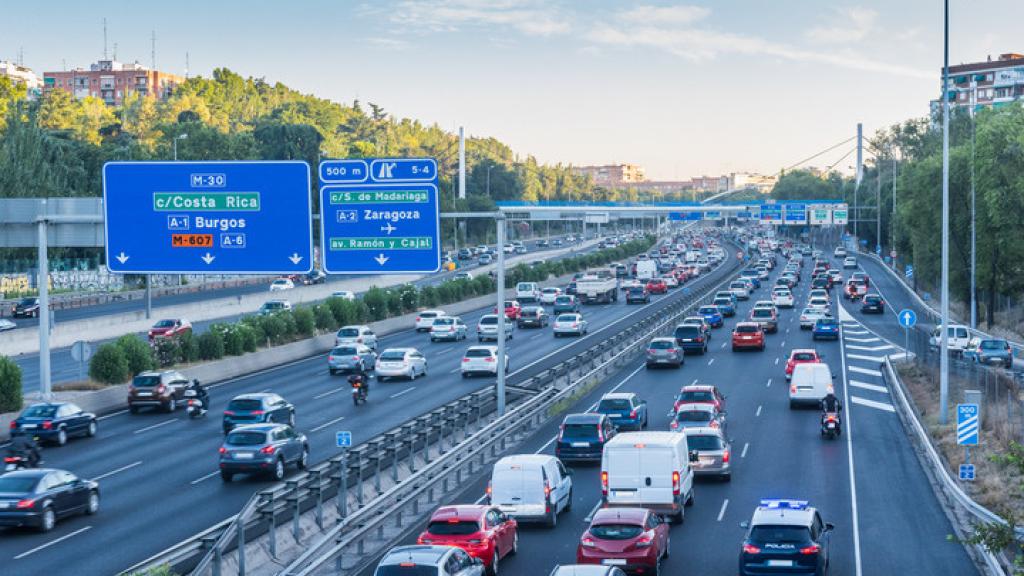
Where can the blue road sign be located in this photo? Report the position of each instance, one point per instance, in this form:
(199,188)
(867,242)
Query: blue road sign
(967,472)
(967,424)
(343,439)
(907,318)
(908,271)
(771,213)
(796,213)
(208,217)
(685,216)
(380,216)
(878,250)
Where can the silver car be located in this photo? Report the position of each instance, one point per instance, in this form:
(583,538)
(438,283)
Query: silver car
(811,315)
(400,363)
(448,328)
(664,352)
(487,328)
(713,452)
(697,416)
(350,358)
(422,559)
(569,324)
(356,335)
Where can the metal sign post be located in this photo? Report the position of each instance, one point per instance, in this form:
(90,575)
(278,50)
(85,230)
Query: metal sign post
(43,280)
(500,290)
(968,425)
(343,440)
(907,318)
(81,352)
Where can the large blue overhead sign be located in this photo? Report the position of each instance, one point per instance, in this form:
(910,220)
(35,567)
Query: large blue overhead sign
(208,217)
(380,216)
(685,216)
(771,213)
(796,214)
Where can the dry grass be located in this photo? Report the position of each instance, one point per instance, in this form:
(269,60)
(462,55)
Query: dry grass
(78,385)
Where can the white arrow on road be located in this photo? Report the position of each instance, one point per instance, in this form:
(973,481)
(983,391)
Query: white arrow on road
(295,258)
(122,257)
(381,259)
(389,228)
(208,259)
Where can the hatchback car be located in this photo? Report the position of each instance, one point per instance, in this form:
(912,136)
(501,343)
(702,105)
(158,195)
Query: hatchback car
(262,449)
(699,321)
(714,452)
(861,276)
(360,334)
(725,306)
(281,284)
(429,561)
(801,356)
(785,535)
(532,317)
(638,295)
(549,295)
(448,328)
(483,531)
(699,394)
(712,315)
(990,351)
(697,416)
(767,318)
(162,390)
(849,262)
(626,410)
(512,308)
(569,325)
(872,304)
(485,259)
(748,335)
(664,352)
(257,408)
(811,315)
(819,302)
(481,360)
(169,328)
(273,306)
(565,303)
(635,540)
(783,298)
(54,422)
(350,358)
(400,363)
(39,497)
(740,289)
(487,328)
(425,319)
(825,328)
(657,286)
(582,437)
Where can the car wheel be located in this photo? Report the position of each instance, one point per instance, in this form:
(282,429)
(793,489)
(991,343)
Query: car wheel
(278,472)
(727,477)
(465,375)
(92,504)
(226,476)
(332,371)
(47,520)
(494,563)
(303,459)
(91,430)
(62,437)
(172,404)
(515,544)
(690,499)
(568,502)
(668,547)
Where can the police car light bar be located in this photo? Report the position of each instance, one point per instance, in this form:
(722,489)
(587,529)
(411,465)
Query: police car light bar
(776,504)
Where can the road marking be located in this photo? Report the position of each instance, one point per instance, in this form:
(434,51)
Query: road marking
(878,359)
(112,414)
(769,384)
(870,348)
(849,455)
(857,332)
(328,423)
(52,542)
(867,371)
(328,393)
(723,345)
(872,339)
(872,404)
(121,469)
(406,391)
(593,511)
(694,383)
(207,477)
(148,428)
(776,361)
(867,386)
(758,410)
(783,344)
(445,351)
(721,513)
(456,369)
(710,362)
(745,446)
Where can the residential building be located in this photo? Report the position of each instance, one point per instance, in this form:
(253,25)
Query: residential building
(111,81)
(990,83)
(762,183)
(21,75)
(613,175)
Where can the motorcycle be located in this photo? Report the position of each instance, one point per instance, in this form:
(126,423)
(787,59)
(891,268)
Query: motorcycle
(16,462)
(830,425)
(195,407)
(358,392)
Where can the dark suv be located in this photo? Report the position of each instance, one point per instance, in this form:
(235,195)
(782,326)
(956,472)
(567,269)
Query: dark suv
(262,449)
(582,437)
(257,408)
(532,316)
(691,337)
(164,389)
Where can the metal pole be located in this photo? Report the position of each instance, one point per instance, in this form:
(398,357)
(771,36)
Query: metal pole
(878,206)
(462,163)
(342,496)
(944,347)
(42,280)
(974,226)
(892,225)
(860,175)
(149,296)
(500,291)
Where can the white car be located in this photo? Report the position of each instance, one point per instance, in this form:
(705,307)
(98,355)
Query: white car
(818,302)
(487,328)
(839,252)
(811,315)
(670,281)
(271,306)
(463,276)
(849,262)
(281,284)
(569,324)
(548,295)
(783,298)
(819,293)
(425,319)
(400,363)
(356,334)
(344,295)
(481,360)
(762,272)
(739,289)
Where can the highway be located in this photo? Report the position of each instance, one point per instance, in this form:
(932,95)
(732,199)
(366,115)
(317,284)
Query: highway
(158,472)
(868,482)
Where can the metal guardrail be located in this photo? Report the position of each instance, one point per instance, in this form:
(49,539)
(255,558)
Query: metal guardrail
(938,466)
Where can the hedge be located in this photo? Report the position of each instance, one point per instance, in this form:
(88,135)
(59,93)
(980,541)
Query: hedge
(109,365)
(10,385)
(138,354)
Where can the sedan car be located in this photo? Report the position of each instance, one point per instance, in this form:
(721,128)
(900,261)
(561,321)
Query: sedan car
(272,306)
(262,449)
(699,394)
(37,498)
(714,452)
(26,308)
(257,408)
(635,540)
(638,295)
(783,298)
(811,315)
(626,410)
(657,286)
(825,328)
(571,324)
(281,284)
(512,308)
(664,352)
(849,262)
(801,356)
(697,416)
(400,363)
(712,315)
(487,328)
(54,422)
(169,328)
(448,328)
(532,317)
(350,358)
(481,360)
(565,303)
(748,335)
(425,319)
(483,531)
(549,294)
(872,303)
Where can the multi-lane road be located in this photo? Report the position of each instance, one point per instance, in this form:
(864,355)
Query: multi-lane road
(158,472)
(867,482)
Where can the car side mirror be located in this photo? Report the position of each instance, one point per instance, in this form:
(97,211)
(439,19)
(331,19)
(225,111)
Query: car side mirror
(829,526)
(744,524)
(833,376)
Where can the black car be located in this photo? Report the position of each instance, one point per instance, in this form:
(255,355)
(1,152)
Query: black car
(638,294)
(872,303)
(822,282)
(38,498)
(533,317)
(54,422)
(582,437)
(542,243)
(256,408)
(314,277)
(786,533)
(691,338)
(570,288)
(26,308)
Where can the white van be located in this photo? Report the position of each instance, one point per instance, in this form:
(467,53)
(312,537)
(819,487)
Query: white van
(531,487)
(527,292)
(809,383)
(959,338)
(650,470)
(646,269)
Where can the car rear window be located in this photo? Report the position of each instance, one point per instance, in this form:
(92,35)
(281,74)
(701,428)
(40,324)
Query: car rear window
(613,404)
(762,313)
(745,329)
(704,442)
(145,381)
(662,345)
(478,353)
(780,534)
(454,527)
(18,484)
(803,356)
(708,310)
(246,438)
(406,569)
(693,416)
(688,331)
(695,396)
(563,300)
(993,344)
(579,430)
(486,320)
(348,332)
(443,321)
(164,324)
(567,318)
(40,411)
(428,314)
(245,404)
(616,531)
(344,351)
(393,355)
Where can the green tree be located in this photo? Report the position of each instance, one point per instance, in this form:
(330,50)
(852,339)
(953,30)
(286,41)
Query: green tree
(10,385)
(138,354)
(109,365)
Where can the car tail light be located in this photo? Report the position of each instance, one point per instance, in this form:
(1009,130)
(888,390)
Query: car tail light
(418,318)
(751,549)
(26,503)
(161,389)
(792,389)
(674,425)
(229,412)
(588,542)
(700,339)
(330,358)
(267,450)
(11,458)
(632,413)
(645,540)
(489,359)
(355,358)
(812,549)
(257,413)
(359,340)
(725,456)
(600,434)
(48,425)
(676,485)
(465,359)
(714,424)
(604,483)
(14,424)
(490,490)
(547,490)
(222,450)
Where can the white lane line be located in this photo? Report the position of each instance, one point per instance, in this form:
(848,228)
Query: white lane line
(878,359)
(776,361)
(758,410)
(328,393)
(207,477)
(769,384)
(721,513)
(860,370)
(857,332)
(112,414)
(723,344)
(710,362)
(872,339)
(590,516)
(872,404)
(148,428)
(445,351)
(406,391)
(787,330)
(121,469)
(745,446)
(328,423)
(694,382)
(849,457)
(456,369)
(52,542)
(870,348)
(783,344)
(866,386)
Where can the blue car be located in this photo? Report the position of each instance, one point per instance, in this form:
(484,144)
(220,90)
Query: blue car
(725,306)
(54,422)
(752,276)
(991,351)
(711,315)
(582,437)
(625,409)
(826,328)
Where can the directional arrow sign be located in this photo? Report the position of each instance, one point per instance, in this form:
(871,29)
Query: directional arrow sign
(380,216)
(208,217)
(907,318)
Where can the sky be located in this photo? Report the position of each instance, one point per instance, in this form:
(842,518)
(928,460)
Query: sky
(681,88)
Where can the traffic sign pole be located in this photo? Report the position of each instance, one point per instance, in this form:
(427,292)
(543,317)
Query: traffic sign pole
(500,290)
(43,281)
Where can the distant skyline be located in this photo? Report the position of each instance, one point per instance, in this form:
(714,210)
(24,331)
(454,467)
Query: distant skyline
(683,89)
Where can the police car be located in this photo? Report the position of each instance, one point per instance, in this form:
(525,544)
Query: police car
(786,537)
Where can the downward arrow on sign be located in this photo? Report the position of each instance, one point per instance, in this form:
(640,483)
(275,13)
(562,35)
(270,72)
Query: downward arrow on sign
(295,258)
(381,259)
(122,257)
(208,259)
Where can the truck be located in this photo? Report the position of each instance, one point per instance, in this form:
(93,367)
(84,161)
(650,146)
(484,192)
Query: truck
(646,269)
(593,288)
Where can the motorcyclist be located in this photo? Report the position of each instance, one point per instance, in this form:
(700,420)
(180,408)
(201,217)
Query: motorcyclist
(26,447)
(830,404)
(201,394)
(359,380)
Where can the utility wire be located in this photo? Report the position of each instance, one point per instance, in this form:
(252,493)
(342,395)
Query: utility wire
(829,149)
(844,157)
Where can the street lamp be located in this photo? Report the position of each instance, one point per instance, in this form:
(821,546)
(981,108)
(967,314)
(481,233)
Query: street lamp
(175,141)
(944,340)
(489,168)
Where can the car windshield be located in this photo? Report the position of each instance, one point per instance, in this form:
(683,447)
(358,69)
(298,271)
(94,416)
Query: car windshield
(579,430)
(393,355)
(164,324)
(145,381)
(738,285)
(567,318)
(827,323)
(344,351)
(273,305)
(28,301)
(245,404)
(40,411)
(803,356)
(550,291)
(616,531)
(687,331)
(454,527)
(762,313)
(279,282)
(704,442)
(489,320)
(522,286)
(780,534)
(563,300)
(348,332)
(429,314)
(616,404)
(722,301)
(532,311)
(872,299)
(710,310)
(478,353)
(747,329)
(693,416)
(695,396)
(246,438)
(18,484)
(993,344)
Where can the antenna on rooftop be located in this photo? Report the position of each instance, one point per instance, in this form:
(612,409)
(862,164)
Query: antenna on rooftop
(21,56)
(152,50)
(104,38)
(186,65)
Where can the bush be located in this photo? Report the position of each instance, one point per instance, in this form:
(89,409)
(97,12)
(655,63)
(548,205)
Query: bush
(272,326)
(394,303)
(138,354)
(167,351)
(188,348)
(305,321)
(324,318)
(109,365)
(251,336)
(211,346)
(10,385)
(288,327)
(376,301)
(232,337)
(428,296)
(410,298)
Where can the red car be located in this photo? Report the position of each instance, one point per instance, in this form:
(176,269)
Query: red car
(483,531)
(700,394)
(657,286)
(512,309)
(682,275)
(801,356)
(748,335)
(861,276)
(633,539)
(169,328)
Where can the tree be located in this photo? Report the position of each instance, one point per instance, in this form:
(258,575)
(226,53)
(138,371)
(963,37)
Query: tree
(10,385)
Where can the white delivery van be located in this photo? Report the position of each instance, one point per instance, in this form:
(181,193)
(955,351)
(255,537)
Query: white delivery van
(959,337)
(527,292)
(531,487)
(809,383)
(649,470)
(646,269)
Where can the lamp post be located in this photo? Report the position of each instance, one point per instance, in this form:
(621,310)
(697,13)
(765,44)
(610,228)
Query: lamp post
(944,346)
(175,143)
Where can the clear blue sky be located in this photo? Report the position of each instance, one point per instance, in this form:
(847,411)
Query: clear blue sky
(680,88)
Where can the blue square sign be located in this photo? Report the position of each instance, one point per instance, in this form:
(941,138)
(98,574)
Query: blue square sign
(967,472)
(343,439)
(380,216)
